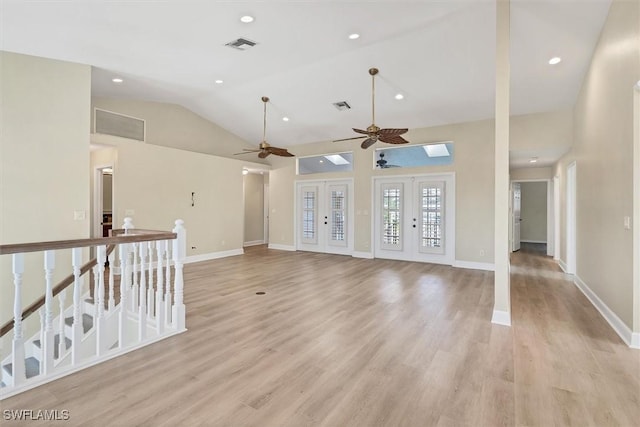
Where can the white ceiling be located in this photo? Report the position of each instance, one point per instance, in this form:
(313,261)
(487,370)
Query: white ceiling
(439,54)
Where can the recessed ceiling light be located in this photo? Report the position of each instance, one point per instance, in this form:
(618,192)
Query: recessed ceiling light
(533,160)
(399,96)
(245,171)
(555,60)
(246,19)
(219,82)
(285,119)
(354,36)
(117,80)
(321,161)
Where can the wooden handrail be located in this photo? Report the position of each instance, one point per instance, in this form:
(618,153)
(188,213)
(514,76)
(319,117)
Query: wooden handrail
(130,237)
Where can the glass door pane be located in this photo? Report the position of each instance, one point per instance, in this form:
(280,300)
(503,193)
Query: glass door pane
(391,211)
(338,215)
(431,203)
(309,222)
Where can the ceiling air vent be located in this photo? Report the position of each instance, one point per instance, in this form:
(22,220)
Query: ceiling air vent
(110,123)
(342,105)
(241,44)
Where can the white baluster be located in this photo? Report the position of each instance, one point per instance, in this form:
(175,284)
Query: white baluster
(167,294)
(76,327)
(48,340)
(125,276)
(17,356)
(142,308)
(41,338)
(160,310)
(96,280)
(128,227)
(62,296)
(112,298)
(150,290)
(99,301)
(135,287)
(179,252)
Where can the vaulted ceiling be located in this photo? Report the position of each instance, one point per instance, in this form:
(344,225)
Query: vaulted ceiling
(439,55)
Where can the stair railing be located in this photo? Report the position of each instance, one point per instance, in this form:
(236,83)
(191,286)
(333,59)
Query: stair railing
(145,307)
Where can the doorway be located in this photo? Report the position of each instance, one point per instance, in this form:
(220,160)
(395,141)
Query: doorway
(571,219)
(324,216)
(415,218)
(103,201)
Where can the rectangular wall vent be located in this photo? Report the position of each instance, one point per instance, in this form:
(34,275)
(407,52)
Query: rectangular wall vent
(110,123)
(342,105)
(241,44)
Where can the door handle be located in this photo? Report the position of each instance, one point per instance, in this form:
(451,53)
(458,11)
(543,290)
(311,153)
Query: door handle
(414,226)
(325,223)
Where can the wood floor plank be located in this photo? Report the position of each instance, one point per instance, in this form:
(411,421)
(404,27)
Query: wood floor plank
(338,341)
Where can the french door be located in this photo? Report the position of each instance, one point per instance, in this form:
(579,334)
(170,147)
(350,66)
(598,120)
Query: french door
(414,218)
(324,216)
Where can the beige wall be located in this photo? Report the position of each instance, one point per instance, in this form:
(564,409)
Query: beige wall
(550,130)
(602,149)
(172,125)
(253,207)
(531,173)
(156,184)
(473,165)
(533,212)
(44,163)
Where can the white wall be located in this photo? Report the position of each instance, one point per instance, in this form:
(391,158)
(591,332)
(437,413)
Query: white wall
(602,150)
(533,227)
(253,208)
(44,163)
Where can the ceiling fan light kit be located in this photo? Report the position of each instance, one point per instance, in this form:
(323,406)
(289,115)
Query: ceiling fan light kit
(373,133)
(264,149)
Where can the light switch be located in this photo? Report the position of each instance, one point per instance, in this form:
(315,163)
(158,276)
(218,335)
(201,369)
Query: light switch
(129,212)
(79,215)
(627,223)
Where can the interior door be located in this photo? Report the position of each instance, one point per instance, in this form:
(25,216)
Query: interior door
(324,219)
(414,219)
(517,203)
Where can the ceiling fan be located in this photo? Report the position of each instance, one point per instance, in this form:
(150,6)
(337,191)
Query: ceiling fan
(383,164)
(264,149)
(373,132)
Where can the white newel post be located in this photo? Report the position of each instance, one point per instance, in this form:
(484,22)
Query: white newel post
(99,301)
(150,290)
(62,345)
(160,249)
(128,227)
(17,357)
(179,253)
(125,276)
(134,282)
(142,308)
(48,334)
(76,328)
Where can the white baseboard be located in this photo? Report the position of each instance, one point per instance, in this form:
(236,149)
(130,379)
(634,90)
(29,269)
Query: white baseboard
(533,241)
(289,248)
(618,325)
(212,255)
(253,243)
(635,340)
(487,266)
(563,265)
(501,318)
(365,255)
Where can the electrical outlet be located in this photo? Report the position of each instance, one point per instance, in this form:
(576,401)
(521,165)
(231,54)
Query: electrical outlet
(79,215)
(129,212)
(481,252)
(627,223)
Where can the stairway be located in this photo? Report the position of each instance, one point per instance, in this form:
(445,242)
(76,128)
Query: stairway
(33,357)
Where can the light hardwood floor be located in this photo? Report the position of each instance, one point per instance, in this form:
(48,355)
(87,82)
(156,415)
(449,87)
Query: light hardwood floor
(337,341)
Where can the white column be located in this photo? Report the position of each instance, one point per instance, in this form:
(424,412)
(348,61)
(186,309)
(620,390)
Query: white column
(502,304)
(48,340)
(112,298)
(134,283)
(179,252)
(160,318)
(101,339)
(76,328)
(142,308)
(17,355)
(167,293)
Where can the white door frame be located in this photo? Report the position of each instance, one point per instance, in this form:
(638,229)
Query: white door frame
(297,184)
(635,224)
(571,261)
(265,212)
(556,218)
(553,225)
(449,257)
